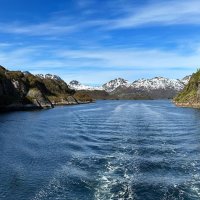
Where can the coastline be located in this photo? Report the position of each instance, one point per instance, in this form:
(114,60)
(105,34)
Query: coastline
(71,104)
(32,107)
(187,105)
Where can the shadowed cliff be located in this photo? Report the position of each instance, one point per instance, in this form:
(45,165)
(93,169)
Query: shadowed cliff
(22,91)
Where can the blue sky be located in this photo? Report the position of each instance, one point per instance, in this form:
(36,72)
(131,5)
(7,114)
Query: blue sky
(94,41)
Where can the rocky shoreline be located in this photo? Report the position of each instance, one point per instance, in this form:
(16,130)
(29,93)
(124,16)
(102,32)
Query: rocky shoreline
(18,107)
(187,105)
(32,107)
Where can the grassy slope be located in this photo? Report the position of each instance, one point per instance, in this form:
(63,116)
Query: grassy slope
(54,90)
(189,93)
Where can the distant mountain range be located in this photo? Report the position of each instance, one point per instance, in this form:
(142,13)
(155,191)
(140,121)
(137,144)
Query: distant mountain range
(155,88)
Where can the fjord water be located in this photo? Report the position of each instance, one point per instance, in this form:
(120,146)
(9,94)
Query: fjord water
(144,150)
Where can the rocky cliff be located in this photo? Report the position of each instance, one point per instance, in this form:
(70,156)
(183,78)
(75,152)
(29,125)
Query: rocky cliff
(22,91)
(190,96)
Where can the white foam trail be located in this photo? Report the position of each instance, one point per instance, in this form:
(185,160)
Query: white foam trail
(196,190)
(108,181)
(196,179)
(151,111)
(121,109)
(116,175)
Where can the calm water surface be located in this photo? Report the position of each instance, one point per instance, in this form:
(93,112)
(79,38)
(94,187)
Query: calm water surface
(146,150)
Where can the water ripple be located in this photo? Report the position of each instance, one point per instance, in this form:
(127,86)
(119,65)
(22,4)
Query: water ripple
(141,150)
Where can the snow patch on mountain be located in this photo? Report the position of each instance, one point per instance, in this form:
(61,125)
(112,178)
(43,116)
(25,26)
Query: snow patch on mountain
(147,84)
(158,83)
(141,84)
(114,84)
(49,76)
(76,85)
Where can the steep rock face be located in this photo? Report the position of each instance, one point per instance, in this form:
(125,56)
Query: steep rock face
(6,87)
(39,99)
(13,87)
(190,96)
(19,91)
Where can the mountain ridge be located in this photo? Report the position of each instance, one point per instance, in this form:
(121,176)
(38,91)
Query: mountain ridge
(113,84)
(154,88)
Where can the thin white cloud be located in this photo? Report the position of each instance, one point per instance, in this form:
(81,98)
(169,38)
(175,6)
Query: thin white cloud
(100,65)
(42,29)
(52,28)
(162,13)
(155,13)
(133,58)
(97,58)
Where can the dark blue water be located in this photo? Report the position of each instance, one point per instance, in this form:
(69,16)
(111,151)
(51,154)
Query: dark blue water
(144,150)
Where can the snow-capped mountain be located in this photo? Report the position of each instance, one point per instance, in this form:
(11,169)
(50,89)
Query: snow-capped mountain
(147,84)
(155,88)
(78,86)
(114,84)
(158,83)
(108,87)
(49,76)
